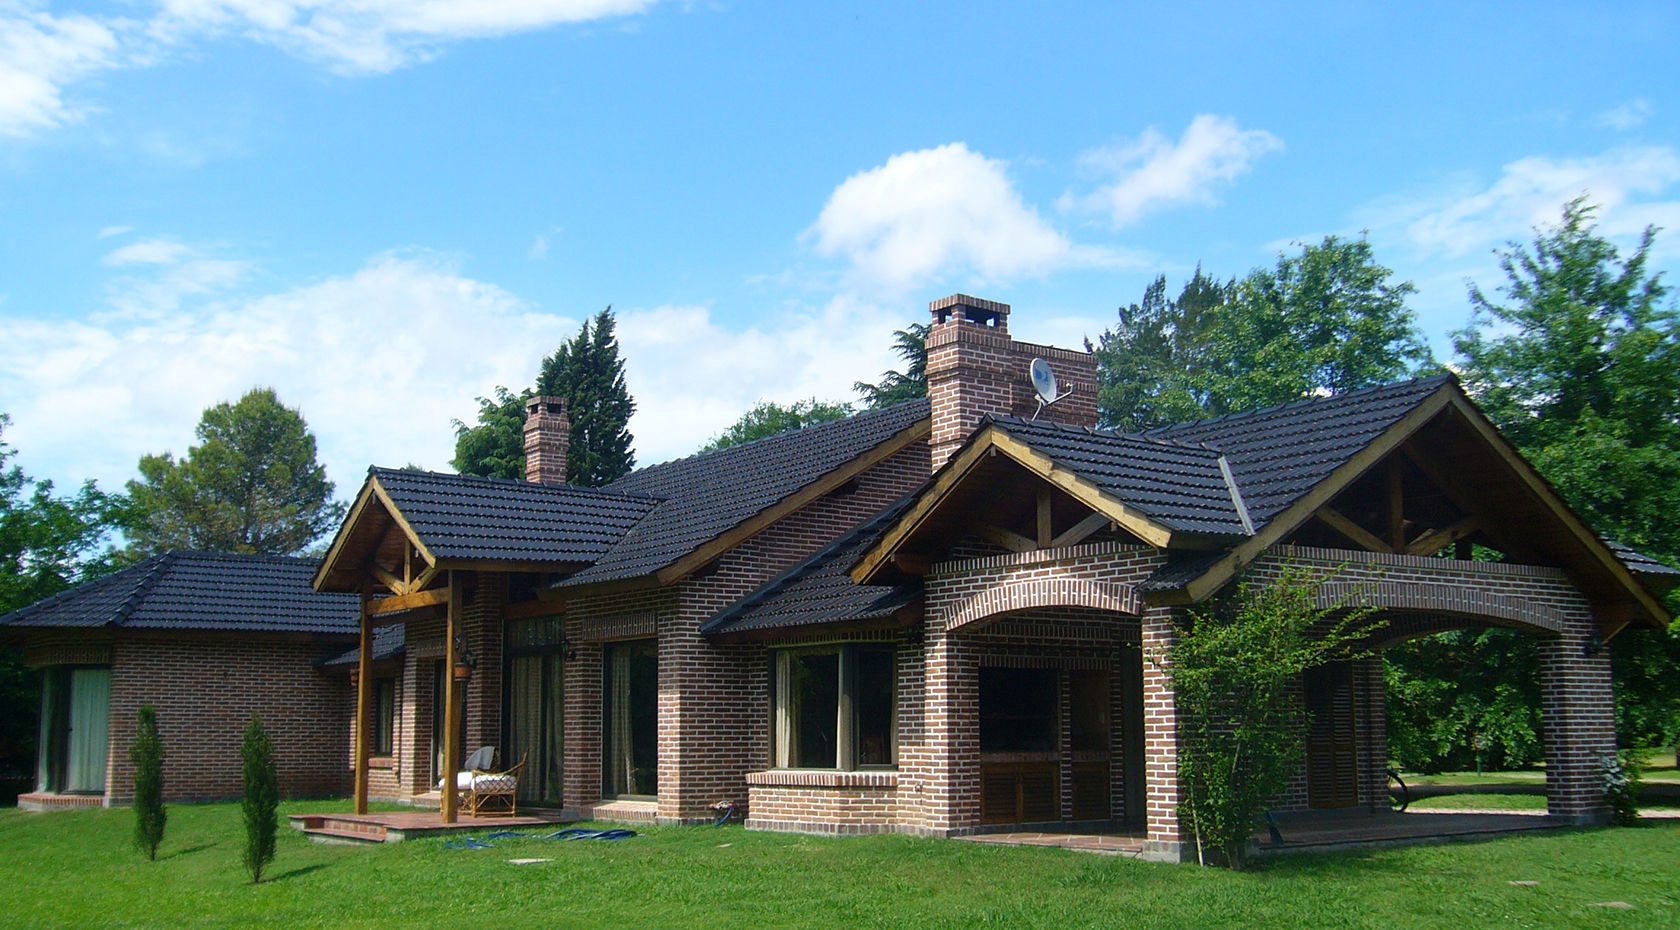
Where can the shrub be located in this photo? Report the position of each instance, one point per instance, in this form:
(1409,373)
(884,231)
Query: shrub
(1234,675)
(262,798)
(147,755)
(1622,775)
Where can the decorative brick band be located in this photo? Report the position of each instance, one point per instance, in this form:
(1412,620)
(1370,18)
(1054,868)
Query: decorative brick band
(806,778)
(1357,558)
(1046,592)
(1443,598)
(65,654)
(635,626)
(1034,557)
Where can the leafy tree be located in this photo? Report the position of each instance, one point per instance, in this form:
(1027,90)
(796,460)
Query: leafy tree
(250,485)
(1577,360)
(895,387)
(1325,321)
(495,446)
(261,799)
(1151,366)
(1465,699)
(146,754)
(1236,670)
(769,418)
(48,543)
(589,374)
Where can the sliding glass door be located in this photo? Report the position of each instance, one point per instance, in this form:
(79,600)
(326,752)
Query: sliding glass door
(75,730)
(631,716)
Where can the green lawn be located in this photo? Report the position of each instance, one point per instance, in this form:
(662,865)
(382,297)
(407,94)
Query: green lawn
(76,869)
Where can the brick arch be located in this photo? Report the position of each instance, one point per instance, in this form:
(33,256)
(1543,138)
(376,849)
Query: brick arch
(1450,599)
(1048,592)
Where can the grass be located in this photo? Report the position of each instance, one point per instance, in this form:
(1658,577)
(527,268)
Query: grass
(78,869)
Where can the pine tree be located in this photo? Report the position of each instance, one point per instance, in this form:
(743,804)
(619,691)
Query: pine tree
(147,755)
(588,373)
(262,798)
(896,387)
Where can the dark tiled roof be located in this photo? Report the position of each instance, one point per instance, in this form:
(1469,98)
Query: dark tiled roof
(705,495)
(819,590)
(1281,453)
(468,517)
(1641,564)
(389,642)
(1176,485)
(199,591)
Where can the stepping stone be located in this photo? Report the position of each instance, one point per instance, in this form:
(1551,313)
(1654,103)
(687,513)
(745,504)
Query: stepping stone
(1525,883)
(527,861)
(1621,904)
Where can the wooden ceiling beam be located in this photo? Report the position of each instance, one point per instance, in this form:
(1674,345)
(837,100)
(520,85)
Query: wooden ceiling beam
(1436,540)
(1339,522)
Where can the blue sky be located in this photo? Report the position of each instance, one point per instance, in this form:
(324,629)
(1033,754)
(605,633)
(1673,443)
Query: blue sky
(385,208)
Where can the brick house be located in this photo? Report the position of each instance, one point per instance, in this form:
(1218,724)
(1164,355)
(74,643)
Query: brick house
(946,616)
(207,639)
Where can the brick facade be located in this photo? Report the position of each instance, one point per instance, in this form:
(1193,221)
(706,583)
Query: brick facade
(205,688)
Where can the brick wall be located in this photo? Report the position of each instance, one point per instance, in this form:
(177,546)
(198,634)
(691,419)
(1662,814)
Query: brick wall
(205,691)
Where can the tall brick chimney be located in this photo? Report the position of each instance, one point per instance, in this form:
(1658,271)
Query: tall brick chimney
(548,436)
(975,368)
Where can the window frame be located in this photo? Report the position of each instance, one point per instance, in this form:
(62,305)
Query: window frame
(847,723)
(384,723)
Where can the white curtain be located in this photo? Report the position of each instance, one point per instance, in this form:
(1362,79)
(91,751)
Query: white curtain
(90,720)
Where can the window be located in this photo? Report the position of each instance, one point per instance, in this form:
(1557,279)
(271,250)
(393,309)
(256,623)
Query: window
(836,707)
(384,716)
(631,718)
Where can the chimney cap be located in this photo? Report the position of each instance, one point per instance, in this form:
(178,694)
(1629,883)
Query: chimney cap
(545,403)
(971,309)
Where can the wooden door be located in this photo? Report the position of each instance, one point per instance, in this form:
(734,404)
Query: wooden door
(1332,745)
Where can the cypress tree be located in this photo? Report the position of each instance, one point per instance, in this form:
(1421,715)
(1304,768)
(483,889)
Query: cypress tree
(589,374)
(147,755)
(262,798)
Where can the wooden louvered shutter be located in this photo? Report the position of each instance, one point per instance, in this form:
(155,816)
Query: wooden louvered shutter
(1332,747)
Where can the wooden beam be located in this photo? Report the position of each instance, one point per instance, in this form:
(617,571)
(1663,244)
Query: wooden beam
(364,669)
(402,602)
(425,577)
(389,580)
(758,522)
(1046,529)
(451,703)
(1091,524)
(1436,540)
(1655,611)
(1396,506)
(1008,539)
(1359,534)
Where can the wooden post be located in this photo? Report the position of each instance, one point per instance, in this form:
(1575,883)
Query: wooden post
(1396,506)
(1046,531)
(451,704)
(364,663)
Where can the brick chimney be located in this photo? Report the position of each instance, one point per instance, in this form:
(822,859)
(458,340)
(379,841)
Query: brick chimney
(975,368)
(548,436)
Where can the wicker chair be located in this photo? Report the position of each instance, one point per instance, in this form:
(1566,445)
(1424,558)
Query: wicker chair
(492,794)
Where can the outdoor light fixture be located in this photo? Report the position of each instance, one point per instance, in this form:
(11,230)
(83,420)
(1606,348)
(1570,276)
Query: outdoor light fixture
(465,660)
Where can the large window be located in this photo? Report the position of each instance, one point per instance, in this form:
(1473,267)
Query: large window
(631,696)
(836,707)
(75,716)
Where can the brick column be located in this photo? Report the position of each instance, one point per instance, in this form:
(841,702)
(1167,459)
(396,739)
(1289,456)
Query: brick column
(481,628)
(1578,720)
(949,773)
(1163,841)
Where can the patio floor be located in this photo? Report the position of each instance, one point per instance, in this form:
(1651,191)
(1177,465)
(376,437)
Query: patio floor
(1316,833)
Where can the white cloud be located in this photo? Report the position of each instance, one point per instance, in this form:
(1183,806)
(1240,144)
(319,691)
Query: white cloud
(692,376)
(39,54)
(376,35)
(379,361)
(936,212)
(538,249)
(1530,192)
(149,252)
(1628,115)
(43,54)
(1154,172)
(110,231)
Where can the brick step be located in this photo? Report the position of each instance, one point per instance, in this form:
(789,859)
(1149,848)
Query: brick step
(336,836)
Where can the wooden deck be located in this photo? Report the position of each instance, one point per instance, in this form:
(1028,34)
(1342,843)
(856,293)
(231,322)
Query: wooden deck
(396,826)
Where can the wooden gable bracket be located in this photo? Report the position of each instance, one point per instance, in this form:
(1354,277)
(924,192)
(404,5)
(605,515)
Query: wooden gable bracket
(993,441)
(1344,525)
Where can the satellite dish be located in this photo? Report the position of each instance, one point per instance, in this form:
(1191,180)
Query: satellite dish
(1044,382)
